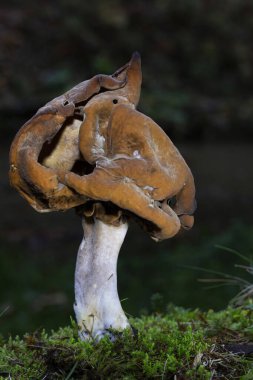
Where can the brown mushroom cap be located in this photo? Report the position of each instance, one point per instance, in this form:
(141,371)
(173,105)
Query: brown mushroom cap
(93,150)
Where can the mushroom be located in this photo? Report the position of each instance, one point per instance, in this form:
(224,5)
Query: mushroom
(112,163)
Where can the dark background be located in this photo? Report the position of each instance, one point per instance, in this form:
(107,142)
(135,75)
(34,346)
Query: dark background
(197,59)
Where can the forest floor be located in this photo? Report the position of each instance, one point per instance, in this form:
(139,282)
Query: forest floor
(179,344)
(170,343)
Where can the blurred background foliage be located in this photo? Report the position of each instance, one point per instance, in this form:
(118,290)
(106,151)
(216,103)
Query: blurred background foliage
(197,84)
(197,57)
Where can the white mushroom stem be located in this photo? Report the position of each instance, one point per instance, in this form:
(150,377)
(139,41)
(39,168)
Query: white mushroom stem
(97,305)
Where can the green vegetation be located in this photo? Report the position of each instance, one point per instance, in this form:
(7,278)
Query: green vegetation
(187,343)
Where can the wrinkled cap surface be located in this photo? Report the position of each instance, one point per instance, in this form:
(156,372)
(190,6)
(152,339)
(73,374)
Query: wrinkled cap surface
(92,150)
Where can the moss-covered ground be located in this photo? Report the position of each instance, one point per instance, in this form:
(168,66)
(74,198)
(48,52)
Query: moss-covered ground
(179,344)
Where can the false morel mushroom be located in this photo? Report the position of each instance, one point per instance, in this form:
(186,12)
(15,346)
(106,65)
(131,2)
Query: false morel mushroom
(89,149)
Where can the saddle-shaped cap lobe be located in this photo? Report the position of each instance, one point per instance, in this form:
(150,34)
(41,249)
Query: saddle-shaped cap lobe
(91,148)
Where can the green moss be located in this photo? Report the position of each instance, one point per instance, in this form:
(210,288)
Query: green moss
(186,343)
(19,361)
